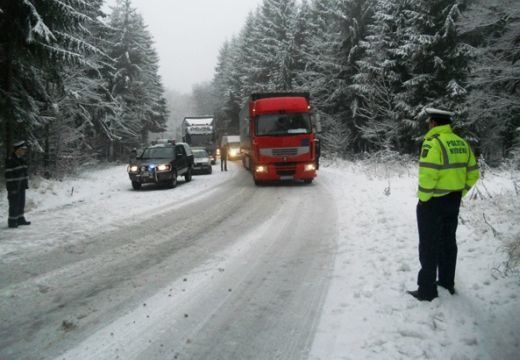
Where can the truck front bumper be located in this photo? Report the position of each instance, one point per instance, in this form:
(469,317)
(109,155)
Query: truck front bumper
(285,171)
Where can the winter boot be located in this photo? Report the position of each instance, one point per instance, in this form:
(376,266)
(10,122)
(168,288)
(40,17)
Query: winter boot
(451,289)
(22,221)
(12,224)
(422,297)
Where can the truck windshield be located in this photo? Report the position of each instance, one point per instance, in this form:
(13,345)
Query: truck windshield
(158,153)
(199,139)
(283,124)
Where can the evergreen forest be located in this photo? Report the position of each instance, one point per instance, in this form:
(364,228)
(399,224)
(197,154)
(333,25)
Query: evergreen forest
(81,84)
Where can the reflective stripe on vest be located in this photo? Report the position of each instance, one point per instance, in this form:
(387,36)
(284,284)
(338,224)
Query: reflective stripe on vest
(446,161)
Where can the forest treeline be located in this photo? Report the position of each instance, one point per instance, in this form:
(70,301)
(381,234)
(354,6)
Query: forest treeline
(373,66)
(76,83)
(80,84)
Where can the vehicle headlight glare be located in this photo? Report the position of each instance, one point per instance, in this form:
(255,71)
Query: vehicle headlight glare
(133,168)
(163,167)
(310,167)
(261,169)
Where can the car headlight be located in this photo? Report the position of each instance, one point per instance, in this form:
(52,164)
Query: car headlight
(233,152)
(310,167)
(164,167)
(132,168)
(261,169)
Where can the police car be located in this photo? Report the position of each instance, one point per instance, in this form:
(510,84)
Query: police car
(161,164)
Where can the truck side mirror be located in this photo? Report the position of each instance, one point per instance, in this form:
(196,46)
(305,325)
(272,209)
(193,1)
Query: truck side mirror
(316,122)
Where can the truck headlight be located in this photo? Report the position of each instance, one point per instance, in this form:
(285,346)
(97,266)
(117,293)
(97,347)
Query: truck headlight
(261,169)
(310,167)
(132,168)
(164,167)
(233,152)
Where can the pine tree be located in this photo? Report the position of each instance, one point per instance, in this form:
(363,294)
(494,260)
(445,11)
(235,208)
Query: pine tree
(492,28)
(378,105)
(437,64)
(274,51)
(135,82)
(37,38)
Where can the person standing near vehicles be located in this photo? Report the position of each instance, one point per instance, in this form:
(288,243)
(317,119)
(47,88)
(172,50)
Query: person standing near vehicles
(447,171)
(17,181)
(223,157)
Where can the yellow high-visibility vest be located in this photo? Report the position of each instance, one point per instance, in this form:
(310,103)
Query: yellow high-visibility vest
(446,164)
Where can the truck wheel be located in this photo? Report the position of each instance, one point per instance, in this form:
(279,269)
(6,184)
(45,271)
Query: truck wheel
(210,170)
(187,176)
(173,181)
(136,185)
(308,181)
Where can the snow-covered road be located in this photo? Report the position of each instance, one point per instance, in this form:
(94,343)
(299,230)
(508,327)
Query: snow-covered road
(221,269)
(232,272)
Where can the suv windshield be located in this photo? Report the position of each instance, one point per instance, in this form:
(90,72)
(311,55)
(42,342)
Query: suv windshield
(283,124)
(158,153)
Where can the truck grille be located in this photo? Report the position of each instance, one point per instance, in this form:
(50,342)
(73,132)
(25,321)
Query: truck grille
(285,169)
(281,152)
(285,152)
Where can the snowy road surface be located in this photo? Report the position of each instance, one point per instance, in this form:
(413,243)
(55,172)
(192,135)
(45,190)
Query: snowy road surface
(238,272)
(221,269)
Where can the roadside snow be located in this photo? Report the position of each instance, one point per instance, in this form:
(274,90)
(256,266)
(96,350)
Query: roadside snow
(367,313)
(96,201)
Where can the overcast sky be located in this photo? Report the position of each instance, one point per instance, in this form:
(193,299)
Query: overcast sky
(189,33)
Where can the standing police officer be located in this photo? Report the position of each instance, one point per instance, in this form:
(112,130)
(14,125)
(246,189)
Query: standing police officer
(447,171)
(17,181)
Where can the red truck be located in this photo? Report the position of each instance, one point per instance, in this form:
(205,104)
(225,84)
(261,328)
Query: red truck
(277,137)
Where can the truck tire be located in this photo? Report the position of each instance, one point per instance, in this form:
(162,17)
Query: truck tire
(308,181)
(136,185)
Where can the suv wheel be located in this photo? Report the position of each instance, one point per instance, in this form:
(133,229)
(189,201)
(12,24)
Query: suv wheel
(187,176)
(136,185)
(173,181)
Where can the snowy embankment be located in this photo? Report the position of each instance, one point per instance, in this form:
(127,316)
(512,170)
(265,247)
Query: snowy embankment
(367,313)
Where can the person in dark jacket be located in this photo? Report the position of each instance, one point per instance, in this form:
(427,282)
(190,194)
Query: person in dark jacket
(17,181)
(223,157)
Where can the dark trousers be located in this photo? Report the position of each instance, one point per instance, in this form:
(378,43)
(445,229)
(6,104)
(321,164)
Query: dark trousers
(437,220)
(16,206)
(223,164)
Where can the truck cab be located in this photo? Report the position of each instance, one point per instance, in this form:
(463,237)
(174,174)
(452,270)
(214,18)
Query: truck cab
(277,137)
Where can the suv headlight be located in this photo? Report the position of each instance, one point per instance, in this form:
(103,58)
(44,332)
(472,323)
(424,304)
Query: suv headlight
(132,168)
(164,167)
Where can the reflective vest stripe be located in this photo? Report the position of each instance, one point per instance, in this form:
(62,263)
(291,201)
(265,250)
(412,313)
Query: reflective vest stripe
(438,191)
(430,165)
(443,167)
(17,179)
(445,157)
(16,168)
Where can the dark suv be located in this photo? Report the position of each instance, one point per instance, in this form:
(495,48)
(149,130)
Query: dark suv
(161,164)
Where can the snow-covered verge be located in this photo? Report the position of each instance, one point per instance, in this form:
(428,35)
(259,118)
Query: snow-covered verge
(367,313)
(97,200)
